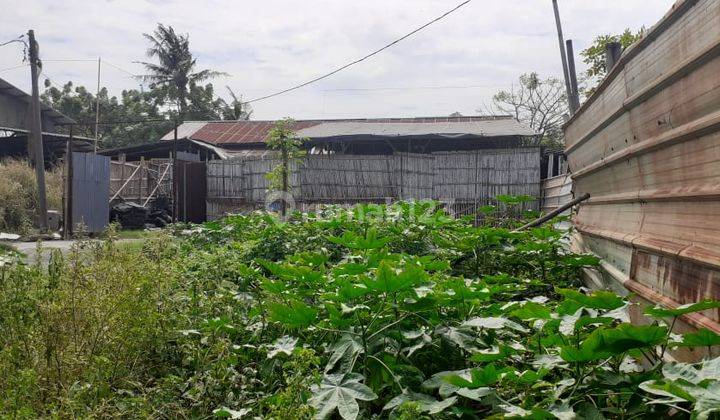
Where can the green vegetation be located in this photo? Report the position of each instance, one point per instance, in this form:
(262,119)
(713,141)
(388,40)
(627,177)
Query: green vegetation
(371,312)
(18,194)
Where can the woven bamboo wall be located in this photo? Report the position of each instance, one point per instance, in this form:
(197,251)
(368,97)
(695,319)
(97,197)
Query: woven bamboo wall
(469,178)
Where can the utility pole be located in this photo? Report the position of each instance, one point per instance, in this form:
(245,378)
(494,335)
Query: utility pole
(97,108)
(563,56)
(573,74)
(36,134)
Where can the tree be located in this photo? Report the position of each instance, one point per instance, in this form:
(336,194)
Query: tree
(539,103)
(283,139)
(594,57)
(175,72)
(236,109)
(79,104)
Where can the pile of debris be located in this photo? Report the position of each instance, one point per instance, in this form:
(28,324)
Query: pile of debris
(131,215)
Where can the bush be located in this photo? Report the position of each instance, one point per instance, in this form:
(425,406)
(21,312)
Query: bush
(18,194)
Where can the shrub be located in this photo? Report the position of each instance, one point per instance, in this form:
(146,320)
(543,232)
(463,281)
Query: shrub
(18,193)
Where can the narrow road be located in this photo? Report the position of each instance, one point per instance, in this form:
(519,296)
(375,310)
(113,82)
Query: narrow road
(30,248)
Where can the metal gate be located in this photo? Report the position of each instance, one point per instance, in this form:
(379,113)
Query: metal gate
(191,191)
(90,192)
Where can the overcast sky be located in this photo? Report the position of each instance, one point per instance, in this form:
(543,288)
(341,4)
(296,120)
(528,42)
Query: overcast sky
(454,65)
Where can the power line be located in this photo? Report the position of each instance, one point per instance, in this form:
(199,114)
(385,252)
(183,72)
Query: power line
(18,39)
(120,68)
(413,88)
(14,67)
(363,58)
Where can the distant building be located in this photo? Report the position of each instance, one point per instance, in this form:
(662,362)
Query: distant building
(15,126)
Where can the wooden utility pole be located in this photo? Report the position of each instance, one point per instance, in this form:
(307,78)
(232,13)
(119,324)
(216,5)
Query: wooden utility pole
(573,75)
(176,206)
(97,109)
(67,216)
(36,133)
(563,56)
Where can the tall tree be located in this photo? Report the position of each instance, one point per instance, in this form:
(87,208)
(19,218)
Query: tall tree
(539,103)
(175,71)
(78,103)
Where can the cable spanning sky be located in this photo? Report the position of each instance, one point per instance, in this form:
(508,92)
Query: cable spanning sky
(455,64)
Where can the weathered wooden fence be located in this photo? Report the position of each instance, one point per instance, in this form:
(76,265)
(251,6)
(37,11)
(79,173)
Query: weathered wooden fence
(466,178)
(140,181)
(646,147)
(556,192)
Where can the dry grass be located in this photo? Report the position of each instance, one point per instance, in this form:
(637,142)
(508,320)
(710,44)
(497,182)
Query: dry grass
(18,194)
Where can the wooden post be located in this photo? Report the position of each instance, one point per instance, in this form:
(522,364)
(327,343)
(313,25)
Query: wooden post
(142,173)
(573,76)
(122,159)
(97,109)
(563,57)
(36,134)
(68,204)
(176,207)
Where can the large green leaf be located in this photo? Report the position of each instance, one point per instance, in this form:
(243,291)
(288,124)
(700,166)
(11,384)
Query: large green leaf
(296,314)
(479,377)
(532,310)
(285,344)
(701,338)
(425,403)
(494,323)
(599,299)
(340,391)
(388,280)
(660,312)
(607,342)
(346,351)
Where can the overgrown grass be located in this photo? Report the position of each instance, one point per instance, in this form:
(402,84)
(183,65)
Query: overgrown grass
(18,194)
(372,312)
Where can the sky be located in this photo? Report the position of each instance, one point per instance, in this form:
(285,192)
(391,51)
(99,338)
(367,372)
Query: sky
(454,65)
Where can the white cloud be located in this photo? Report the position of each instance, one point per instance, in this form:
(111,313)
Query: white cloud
(273,44)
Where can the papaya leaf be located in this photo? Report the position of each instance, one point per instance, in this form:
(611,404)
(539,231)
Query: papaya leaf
(599,299)
(346,351)
(607,342)
(532,310)
(295,315)
(494,323)
(340,391)
(285,344)
(701,338)
(660,312)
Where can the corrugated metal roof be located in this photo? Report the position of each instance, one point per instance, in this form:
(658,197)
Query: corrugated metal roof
(10,90)
(483,128)
(247,132)
(185,130)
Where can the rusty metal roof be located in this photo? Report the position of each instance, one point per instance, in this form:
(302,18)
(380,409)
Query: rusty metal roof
(254,132)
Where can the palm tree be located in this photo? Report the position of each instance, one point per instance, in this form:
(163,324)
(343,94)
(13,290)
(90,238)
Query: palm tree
(236,109)
(175,71)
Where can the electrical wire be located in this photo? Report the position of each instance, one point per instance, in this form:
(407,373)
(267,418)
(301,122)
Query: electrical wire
(18,39)
(120,68)
(339,69)
(14,67)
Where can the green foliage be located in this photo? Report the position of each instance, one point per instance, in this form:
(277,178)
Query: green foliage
(370,312)
(594,56)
